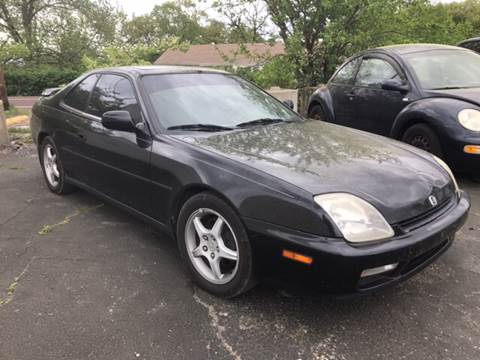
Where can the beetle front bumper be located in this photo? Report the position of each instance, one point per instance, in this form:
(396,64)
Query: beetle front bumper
(459,159)
(337,266)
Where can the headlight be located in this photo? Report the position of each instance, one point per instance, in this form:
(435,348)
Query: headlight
(470,119)
(358,221)
(444,165)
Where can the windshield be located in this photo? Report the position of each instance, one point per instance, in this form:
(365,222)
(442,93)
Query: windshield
(443,69)
(210,99)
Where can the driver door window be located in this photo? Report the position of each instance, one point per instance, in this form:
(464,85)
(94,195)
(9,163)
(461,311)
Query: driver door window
(113,92)
(373,72)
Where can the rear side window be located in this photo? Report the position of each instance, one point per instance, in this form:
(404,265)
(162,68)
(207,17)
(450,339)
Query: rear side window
(78,97)
(373,72)
(113,92)
(346,73)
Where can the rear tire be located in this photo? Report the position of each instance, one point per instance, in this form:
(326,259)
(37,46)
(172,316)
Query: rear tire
(317,113)
(52,167)
(214,245)
(423,137)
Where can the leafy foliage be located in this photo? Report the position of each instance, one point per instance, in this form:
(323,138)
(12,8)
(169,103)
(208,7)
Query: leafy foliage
(74,35)
(32,80)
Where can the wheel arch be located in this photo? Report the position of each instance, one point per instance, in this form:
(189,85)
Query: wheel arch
(430,112)
(41,135)
(322,97)
(186,193)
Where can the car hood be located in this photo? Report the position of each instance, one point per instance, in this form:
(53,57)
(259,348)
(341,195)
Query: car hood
(319,157)
(471,95)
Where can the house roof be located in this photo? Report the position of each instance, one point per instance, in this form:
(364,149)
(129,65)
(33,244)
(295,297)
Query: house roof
(245,55)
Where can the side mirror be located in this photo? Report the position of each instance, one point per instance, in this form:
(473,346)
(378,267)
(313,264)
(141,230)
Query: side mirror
(394,85)
(289,103)
(50,91)
(118,120)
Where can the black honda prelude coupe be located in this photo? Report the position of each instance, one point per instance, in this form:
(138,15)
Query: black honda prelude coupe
(249,188)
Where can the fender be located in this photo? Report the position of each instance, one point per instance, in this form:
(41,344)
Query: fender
(322,97)
(439,113)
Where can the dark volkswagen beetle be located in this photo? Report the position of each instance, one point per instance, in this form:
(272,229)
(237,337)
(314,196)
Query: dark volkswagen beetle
(425,95)
(247,186)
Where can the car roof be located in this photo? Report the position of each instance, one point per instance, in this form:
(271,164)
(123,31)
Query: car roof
(475,39)
(411,48)
(160,69)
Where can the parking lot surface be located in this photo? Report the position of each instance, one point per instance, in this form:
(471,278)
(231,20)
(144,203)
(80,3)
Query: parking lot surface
(80,279)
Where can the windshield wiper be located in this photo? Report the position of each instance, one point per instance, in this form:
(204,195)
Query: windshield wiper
(263,121)
(200,127)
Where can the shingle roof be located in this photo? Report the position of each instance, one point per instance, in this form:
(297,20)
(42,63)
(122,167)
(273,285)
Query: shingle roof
(221,54)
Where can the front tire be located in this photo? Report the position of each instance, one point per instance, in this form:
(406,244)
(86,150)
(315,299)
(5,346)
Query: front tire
(423,137)
(214,244)
(52,167)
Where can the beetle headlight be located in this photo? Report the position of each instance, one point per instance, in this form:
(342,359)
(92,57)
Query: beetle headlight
(444,165)
(358,221)
(470,119)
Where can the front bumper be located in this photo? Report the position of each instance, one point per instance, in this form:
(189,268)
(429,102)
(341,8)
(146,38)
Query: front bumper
(337,266)
(458,159)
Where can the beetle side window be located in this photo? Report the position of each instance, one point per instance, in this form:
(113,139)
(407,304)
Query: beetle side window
(113,92)
(346,73)
(78,97)
(373,72)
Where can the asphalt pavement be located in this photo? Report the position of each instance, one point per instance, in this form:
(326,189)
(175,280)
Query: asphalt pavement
(80,279)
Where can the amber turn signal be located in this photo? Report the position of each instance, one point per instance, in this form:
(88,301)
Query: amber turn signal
(297,257)
(472,149)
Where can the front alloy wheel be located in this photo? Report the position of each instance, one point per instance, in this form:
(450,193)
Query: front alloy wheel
(212,248)
(215,245)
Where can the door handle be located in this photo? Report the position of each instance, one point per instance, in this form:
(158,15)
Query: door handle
(351,94)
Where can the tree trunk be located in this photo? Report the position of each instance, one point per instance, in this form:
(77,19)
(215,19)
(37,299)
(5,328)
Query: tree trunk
(3,128)
(3,89)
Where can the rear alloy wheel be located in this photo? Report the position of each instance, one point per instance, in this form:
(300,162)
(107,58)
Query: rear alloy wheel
(214,243)
(423,137)
(317,113)
(52,168)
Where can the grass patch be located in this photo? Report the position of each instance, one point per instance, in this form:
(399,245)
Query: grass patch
(17,111)
(46,229)
(19,130)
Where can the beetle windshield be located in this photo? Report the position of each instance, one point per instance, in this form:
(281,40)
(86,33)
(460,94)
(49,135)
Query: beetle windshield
(446,69)
(201,100)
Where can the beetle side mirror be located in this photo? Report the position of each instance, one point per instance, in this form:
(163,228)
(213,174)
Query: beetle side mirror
(118,120)
(289,103)
(394,85)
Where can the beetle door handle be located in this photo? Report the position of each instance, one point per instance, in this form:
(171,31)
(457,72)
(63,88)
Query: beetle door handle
(351,94)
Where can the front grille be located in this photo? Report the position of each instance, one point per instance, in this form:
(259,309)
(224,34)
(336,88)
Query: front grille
(418,221)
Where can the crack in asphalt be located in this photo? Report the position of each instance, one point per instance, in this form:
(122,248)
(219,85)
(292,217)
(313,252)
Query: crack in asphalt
(14,215)
(13,286)
(49,228)
(215,324)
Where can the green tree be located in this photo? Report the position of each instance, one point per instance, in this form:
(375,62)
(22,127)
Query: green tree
(9,52)
(58,27)
(180,19)
(246,20)
(320,34)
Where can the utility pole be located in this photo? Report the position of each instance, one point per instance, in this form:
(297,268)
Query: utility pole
(3,127)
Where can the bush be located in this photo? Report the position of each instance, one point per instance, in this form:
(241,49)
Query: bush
(277,72)
(32,80)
